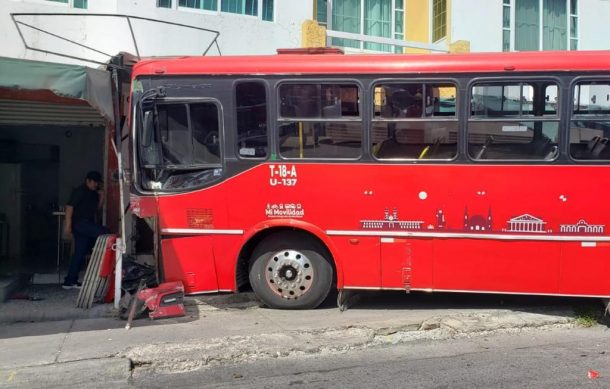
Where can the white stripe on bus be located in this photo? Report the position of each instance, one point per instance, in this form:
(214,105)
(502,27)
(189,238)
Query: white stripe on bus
(412,234)
(196,231)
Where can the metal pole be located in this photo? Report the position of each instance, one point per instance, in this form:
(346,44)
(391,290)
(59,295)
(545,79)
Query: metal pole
(118,271)
(116,143)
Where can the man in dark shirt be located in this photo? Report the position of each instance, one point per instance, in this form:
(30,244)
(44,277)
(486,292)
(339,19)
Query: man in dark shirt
(81,210)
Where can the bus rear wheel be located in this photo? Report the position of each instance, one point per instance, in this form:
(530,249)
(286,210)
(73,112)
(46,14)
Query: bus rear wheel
(291,271)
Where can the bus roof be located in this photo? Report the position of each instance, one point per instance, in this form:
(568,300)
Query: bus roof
(328,64)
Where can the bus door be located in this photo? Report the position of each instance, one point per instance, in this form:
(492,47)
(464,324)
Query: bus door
(585,263)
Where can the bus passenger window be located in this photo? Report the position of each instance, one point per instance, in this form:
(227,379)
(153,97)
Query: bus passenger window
(590,122)
(251,116)
(414,121)
(319,120)
(514,121)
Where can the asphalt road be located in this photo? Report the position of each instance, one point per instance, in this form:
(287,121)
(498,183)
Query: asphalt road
(517,358)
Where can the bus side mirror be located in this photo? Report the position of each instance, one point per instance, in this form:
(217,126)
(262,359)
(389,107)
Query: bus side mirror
(148,129)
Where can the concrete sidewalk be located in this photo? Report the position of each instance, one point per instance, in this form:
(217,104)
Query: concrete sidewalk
(234,328)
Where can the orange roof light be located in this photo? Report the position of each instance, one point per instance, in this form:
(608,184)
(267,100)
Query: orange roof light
(311,50)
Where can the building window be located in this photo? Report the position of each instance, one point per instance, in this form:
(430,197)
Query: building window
(321,12)
(74,3)
(506,25)
(210,5)
(543,24)
(414,121)
(399,23)
(377,18)
(242,7)
(164,3)
(378,22)
(268,10)
(514,121)
(320,121)
(439,19)
(573,24)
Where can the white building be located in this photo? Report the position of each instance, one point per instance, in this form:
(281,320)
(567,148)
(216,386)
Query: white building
(239,27)
(484,25)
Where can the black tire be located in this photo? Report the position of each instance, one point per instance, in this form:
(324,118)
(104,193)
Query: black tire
(291,270)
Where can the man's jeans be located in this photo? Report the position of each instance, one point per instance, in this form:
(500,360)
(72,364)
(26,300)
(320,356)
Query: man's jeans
(85,234)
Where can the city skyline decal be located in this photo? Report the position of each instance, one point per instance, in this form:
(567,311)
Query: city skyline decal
(525,223)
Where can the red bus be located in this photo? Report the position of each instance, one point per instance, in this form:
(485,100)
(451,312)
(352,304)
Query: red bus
(296,173)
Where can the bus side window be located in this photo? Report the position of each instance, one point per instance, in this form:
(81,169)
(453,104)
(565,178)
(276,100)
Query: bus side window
(319,120)
(590,122)
(414,121)
(514,121)
(251,118)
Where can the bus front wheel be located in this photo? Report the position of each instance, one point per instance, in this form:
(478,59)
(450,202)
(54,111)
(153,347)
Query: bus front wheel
(291,271)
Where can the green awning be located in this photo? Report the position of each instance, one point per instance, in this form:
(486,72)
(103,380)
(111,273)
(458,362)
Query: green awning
(69,81)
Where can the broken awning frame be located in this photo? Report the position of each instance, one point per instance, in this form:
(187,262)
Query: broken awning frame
(68,81)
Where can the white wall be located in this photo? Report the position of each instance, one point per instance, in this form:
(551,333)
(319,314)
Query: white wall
(239,34)
(594,17)
(479,22)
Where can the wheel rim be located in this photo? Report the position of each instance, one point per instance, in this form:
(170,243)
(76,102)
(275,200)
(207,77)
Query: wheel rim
(289,274)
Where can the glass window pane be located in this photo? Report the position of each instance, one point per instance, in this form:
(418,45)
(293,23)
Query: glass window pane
(206,134)
(439,22)
(573,44)
(506,17)
(527,25)
(574,7)
(251,107)
(60,1)
(211,5)
(398,4)
(589,139)
(320,139)
(346,17)
(83,4)
(244,7)
(513,140)
(503,100)
(182,145)
(398,22)
(164,3)
(321,11)
(268,10)
(551,98)
(378,22)
(319,101)
(414,100)
(555,25)
(505,40)
(592,99)
(414,140)
(573,27)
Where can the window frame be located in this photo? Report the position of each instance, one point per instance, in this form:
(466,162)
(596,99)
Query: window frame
(441,17)
(571,116)
(557,117)
(540,44)
(455,119)
(194,100)
(269,111)
(277,118)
